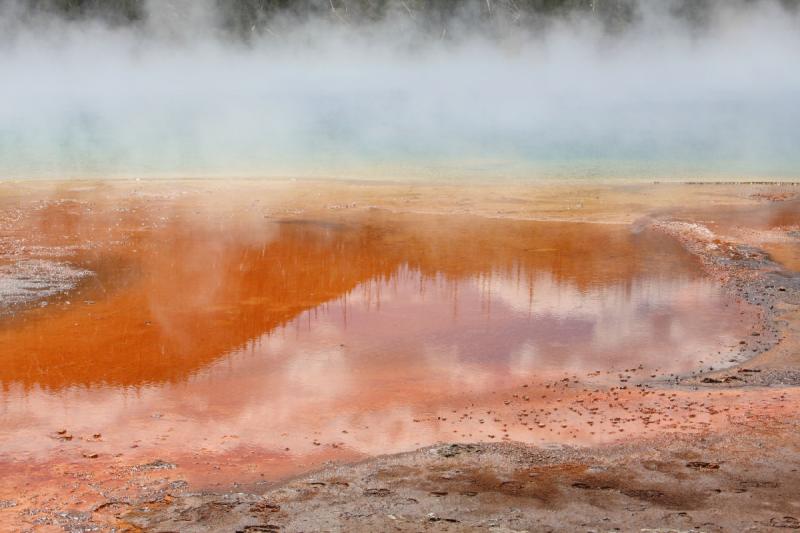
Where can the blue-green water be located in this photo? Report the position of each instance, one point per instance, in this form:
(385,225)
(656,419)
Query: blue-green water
(345,136)
(650,105)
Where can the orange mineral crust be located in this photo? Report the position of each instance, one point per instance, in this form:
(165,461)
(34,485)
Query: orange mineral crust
(247,342)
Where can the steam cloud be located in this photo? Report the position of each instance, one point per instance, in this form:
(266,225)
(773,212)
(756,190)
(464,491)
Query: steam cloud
(320,97)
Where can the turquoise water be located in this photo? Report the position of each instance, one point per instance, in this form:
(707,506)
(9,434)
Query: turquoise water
(345,136)
(651,105)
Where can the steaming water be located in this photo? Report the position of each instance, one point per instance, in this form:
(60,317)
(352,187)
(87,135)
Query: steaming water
(193,330)
(657,101)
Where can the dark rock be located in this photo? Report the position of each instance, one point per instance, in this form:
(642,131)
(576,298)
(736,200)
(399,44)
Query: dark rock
(377,492)
(702,465)
(158,464)
(264,507)
(788,522)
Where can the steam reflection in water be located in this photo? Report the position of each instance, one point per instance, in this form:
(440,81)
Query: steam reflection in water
(270,335)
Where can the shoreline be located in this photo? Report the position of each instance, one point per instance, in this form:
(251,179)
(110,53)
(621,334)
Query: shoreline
(754,277)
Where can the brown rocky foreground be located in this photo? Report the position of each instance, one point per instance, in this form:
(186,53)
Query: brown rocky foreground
(742,481)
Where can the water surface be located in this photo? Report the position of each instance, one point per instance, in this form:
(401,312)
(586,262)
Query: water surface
(211,328)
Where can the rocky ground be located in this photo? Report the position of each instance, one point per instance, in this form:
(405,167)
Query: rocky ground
(731,482)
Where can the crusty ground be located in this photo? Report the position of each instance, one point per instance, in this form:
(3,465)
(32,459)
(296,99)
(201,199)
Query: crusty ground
(748,481)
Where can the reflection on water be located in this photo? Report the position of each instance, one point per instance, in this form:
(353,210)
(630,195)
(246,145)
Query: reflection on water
(210,329)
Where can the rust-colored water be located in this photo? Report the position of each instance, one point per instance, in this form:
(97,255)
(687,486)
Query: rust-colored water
(211,329)
(786,254)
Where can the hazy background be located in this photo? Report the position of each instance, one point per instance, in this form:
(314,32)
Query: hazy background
(380,88)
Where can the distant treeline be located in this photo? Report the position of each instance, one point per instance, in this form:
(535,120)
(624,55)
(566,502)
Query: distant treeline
(246,17)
